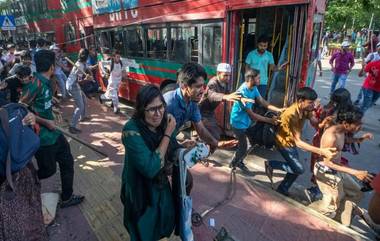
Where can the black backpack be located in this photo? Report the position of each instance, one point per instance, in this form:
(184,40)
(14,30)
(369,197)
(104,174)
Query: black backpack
(263,134)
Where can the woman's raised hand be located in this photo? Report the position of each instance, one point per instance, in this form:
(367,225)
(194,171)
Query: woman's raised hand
(171,124)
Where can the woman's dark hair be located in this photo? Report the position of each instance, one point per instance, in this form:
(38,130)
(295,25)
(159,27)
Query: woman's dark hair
(351,115)
(23,71)
(27,55)
(251,73)
(306,93)
(341,99)
(41,42)
(83,55)
(190,72)
(144,97)
(44,59)
(32,44)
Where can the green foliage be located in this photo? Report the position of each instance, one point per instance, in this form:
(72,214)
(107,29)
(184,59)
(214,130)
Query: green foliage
(341,14)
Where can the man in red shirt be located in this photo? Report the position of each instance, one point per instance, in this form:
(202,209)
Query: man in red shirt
(371,85)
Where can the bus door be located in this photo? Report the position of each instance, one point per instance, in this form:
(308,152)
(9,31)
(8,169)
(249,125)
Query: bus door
(284,27)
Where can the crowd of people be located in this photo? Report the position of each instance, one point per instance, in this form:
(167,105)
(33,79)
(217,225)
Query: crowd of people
(41,77)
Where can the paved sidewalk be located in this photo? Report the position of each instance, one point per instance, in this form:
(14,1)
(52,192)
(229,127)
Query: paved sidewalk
(254,213)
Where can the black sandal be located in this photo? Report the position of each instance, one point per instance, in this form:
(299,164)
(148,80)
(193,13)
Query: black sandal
(72,201)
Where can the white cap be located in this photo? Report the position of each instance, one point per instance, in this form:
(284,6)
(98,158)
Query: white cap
(346,44)
(224,67)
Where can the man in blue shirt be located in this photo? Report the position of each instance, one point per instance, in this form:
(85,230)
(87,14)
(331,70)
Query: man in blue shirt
(261,59)
(242,116)
(182,103)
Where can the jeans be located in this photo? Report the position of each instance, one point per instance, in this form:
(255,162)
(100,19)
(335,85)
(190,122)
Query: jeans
(292,166)
(3,98)
(241,152)
(338,78)
(47,158)
(370,97)
(262,90)
(80,102)
(360,95)
(341,192)
(61,79)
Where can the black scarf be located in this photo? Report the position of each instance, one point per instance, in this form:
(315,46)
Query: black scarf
(152,140)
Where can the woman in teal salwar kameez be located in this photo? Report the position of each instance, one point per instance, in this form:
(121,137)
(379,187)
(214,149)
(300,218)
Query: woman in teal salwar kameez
(149,146)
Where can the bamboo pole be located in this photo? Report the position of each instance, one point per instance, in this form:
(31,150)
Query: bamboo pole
(89,145)
(240,54)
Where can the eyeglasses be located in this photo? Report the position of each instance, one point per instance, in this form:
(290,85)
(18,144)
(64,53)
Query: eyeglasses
(153,110)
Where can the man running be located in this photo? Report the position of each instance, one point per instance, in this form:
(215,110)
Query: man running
(217,92)
(340,191)
(288,138)
(37,95)
(341,65)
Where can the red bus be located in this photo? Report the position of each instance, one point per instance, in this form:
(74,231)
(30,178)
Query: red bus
(67,23)
(159,36)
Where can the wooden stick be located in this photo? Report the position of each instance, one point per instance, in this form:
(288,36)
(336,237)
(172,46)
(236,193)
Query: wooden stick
(89,145)
(73,64)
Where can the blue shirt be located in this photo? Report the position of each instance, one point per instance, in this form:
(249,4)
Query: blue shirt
(239,117)
(261,63)
(91,60)
(182,111)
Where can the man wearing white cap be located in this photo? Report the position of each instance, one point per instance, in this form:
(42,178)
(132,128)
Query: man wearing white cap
(216,92)
(341,64)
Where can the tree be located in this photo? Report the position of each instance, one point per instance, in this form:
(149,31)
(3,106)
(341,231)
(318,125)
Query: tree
(345,14)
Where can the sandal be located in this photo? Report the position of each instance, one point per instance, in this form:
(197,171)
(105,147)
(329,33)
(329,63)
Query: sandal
(72,201)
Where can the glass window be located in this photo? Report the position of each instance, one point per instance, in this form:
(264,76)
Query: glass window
(134,42)
(211,45)
(118,41)
(184,44)
(252,26)
(104,40)
(69,32)
(157,43)
(50,37)
(315,41)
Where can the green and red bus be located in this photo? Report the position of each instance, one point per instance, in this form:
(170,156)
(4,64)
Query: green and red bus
(68,23)
(159,36)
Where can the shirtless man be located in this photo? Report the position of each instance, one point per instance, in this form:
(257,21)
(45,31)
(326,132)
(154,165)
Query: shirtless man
(341,193)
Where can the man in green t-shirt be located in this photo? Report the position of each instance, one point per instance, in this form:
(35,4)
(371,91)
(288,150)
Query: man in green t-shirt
(37,94)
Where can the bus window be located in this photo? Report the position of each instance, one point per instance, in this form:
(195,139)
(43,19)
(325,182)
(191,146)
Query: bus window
(315,41)
(179,50)
(184,44)
(118,41)
(134,43)
(69,32)
(157,43)
(211,45)
(104,40)
(192,36)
